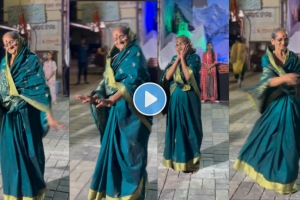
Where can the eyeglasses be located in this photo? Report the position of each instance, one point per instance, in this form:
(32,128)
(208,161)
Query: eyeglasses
(120,37)
(281,39)
(10,43)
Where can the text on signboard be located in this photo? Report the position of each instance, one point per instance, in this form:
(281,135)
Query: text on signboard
(259,14)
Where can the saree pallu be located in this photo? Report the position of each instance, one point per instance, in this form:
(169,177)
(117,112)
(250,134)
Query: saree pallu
(209,87)
(184,128)
(25,99)
(120,171)
(271,153)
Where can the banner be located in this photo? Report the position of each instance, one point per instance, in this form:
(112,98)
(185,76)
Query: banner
(263,22)
(34,13)
(266,15)
(49,28)
(250,5)
(108,11)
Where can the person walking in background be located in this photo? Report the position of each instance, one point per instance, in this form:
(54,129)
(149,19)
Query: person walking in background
(83,60)
(209,87)
(50,75)
(238,59)
(120,171)
(25,105)
(184,135)
(271,153)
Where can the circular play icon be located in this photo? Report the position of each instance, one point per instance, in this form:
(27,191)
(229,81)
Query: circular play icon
(149,99)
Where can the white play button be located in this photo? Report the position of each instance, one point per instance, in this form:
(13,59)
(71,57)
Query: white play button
(149,99)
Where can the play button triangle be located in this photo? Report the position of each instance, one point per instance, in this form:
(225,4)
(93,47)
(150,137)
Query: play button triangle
(149,99)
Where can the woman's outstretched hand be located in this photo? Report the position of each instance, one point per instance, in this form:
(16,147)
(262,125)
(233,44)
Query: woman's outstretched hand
(54,124)
(95,100)
(83,98)
(290,79)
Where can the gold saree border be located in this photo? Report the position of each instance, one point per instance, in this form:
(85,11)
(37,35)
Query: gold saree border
(194,84)
(279,70)
(129,99)
(95,195)
(40,196)
(262,182)
(37,105)
(12,87)
(179,167)
(186,87)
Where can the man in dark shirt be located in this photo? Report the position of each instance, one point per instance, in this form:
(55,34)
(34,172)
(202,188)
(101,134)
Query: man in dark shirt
(83,55)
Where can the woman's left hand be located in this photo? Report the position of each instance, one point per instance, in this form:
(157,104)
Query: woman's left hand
(184,51)
(54,124)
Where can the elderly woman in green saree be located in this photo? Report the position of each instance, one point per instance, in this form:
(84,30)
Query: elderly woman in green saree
(271,153)
(120,171)
(26,117)
(184,127)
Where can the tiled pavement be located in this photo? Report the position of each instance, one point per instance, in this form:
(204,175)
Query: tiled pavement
(242,116)
(211,182)
(56,145)
(85,143)
(84,138)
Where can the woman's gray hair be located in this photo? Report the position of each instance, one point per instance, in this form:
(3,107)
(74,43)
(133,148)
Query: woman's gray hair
(276,30)
(14,34)
(185,39)
(124,29)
